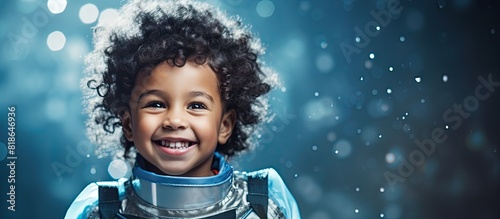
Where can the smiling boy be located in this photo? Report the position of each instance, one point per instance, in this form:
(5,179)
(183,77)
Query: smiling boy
(180,84)
(176,119)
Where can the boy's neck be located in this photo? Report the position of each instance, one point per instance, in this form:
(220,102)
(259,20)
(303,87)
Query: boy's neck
(146,165)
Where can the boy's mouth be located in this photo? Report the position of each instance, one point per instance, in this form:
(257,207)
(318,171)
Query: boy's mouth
(175,144)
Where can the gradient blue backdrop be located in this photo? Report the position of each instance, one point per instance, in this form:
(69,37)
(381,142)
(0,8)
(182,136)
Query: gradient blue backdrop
(345,125)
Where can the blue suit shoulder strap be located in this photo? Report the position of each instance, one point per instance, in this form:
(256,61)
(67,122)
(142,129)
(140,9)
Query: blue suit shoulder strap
(277,192)
(88,199)
(258,194)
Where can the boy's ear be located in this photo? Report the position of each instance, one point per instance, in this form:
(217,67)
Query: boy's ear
(226,126)
(127,125)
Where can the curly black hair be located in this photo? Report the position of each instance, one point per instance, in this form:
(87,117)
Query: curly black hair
(147,33)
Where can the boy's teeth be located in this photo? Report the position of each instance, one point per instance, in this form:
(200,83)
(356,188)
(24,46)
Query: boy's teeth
(171,144)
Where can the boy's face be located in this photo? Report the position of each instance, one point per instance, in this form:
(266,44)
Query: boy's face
(176,118)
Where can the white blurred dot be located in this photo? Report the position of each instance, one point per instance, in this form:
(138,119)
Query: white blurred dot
(331,137)
(305,6)
(389,91)
(445,78)
(265,8)
(324,45)
(316,94)
(377,27)
(368,64)
(314,147)
(446,127)
(356,211)
(88,13)
(107,16)
(391,68)
(422,100)
(372,56)
(379,136)
(402,38)
(117,169)
(381,215)
(92,170)
(325,62)
(418,79)
(56,6)
(358,39)
(283,89)
(390,158)
(406,128)
(56,41)
(382,189)
(342,148)
(357,189)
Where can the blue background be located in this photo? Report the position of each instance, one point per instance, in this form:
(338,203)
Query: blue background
(344,132)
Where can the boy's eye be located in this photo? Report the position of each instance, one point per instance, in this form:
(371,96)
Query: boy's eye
(155,105)
(196,106)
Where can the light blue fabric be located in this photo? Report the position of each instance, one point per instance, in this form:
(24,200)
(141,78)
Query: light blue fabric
(280,194)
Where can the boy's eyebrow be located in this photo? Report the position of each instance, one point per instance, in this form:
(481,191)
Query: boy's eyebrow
(201,93)
(191,94)
(148,92)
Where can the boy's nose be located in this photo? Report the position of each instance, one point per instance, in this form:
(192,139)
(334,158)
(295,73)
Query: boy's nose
(174,120)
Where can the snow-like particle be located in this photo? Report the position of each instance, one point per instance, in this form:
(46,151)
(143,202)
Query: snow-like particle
(372,55)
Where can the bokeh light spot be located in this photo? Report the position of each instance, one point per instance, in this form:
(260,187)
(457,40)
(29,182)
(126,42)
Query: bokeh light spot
(108,16)
(445,78)
(265,8)
(56,6)
(117,169)
(88,13)
(342,148)
(372,55)
(56,41)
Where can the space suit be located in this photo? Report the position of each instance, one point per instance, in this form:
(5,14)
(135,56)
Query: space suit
(229,194)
